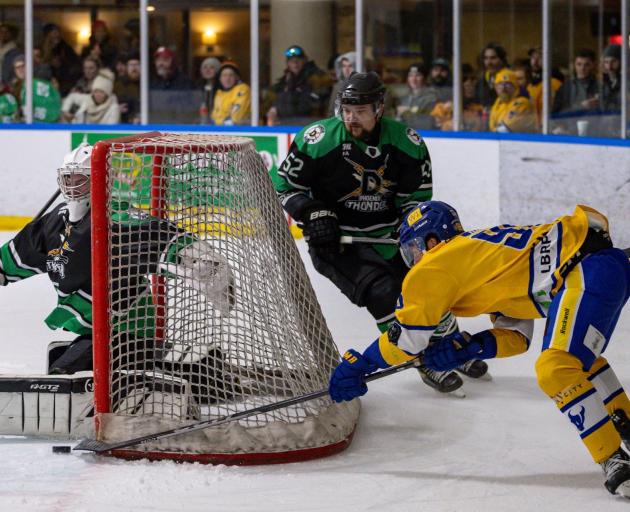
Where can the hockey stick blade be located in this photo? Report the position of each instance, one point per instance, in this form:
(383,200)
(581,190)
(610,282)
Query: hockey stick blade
(92,445)
(367,240)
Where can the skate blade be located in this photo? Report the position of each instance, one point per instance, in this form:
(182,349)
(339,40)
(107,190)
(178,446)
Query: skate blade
(487,377)
(624,489)
(457,393)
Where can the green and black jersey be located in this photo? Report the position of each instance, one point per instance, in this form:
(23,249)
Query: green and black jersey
(369,184)
(53,245)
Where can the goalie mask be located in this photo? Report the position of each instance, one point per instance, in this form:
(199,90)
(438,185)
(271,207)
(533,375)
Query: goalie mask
(73,178)
(429,219)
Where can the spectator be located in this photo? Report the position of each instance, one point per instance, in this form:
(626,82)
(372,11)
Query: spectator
(344,65)
(167,74)
(120,65)
(301,93)
(98,107)
(131,36)
(577,98)
(415,108)
(611,92)
(91,67)
(46,98)
(530,72)
(511,112)
(65,64)
(8,51)
(8,107)
(41,69)
(232,103)
(472,111)
(209,83)
(127,90)
(493,59)
(101,45)
(440,79)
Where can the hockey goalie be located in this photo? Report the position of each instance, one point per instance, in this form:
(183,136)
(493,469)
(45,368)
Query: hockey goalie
(58,243)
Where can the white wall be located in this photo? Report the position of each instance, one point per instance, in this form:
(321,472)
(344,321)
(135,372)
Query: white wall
(488,181)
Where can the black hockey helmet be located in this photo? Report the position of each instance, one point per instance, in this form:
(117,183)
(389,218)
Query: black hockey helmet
(362,89)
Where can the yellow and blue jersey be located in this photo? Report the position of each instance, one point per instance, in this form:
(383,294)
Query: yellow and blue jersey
(506,271)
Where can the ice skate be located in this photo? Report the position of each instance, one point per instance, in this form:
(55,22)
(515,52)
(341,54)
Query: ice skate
(617,471)
(475,369)
(442,382)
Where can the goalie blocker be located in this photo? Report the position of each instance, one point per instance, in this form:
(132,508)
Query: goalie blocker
(62,406)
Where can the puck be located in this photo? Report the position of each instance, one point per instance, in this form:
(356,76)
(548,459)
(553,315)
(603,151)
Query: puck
(61,449)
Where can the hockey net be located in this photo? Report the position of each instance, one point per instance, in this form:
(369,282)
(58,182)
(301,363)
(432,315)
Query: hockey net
(202,306)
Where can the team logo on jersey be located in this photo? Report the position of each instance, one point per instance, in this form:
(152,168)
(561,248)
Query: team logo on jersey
(314,134)
(56,263)
(413,136)
(372,151)
(370,195)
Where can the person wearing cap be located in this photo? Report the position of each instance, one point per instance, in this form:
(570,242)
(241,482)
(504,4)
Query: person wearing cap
(511,111)
(101,45)
(8,51)
(301,93)
(64,62)
(232,102)
(46,98)
(414,109)
(127,90)
(440,79)
(167,75)
(493,58)
(100,106)
(209,78)
(577,100)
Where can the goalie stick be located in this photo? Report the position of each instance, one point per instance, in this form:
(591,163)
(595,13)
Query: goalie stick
(92,445)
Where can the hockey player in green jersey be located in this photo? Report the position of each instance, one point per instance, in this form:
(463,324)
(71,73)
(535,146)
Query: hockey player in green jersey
(358,174)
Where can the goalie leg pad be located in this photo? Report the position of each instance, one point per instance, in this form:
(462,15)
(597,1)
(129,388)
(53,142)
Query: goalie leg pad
(47,406)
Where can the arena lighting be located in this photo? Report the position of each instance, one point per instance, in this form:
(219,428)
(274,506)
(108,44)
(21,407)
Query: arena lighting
(209,36)
(150,8)
(83,35)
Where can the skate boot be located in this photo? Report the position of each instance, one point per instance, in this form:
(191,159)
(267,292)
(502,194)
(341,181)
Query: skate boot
(475,369)
(443,382)
(617,473)
(622,424)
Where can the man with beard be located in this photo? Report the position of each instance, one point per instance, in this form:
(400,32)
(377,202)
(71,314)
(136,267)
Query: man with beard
(167,74)
(357,174)
(440,79)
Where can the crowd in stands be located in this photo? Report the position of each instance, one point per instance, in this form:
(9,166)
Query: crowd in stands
(101,85)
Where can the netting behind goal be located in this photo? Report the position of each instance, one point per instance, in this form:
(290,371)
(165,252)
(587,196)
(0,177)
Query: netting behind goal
(202,306)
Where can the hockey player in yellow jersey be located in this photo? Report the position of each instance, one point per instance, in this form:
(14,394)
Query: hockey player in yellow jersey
(511,111)
(566,271)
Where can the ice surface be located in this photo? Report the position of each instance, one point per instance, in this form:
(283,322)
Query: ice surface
(503,448)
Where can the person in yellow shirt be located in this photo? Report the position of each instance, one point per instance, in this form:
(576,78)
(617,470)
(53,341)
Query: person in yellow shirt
(566,271)
(511,112)
(232,102)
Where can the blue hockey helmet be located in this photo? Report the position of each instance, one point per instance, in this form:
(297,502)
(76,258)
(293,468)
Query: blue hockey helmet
(428,219)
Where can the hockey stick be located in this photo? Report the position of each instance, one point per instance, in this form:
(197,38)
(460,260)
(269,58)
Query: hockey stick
(47,205)
(367,240)
(93,445)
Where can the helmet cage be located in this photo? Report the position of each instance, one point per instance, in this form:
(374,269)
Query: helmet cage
(74,181)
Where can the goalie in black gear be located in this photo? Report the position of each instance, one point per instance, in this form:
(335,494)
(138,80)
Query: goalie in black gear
(59,244)
(358,174)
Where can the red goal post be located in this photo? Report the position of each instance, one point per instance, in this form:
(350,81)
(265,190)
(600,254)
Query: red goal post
(202,306)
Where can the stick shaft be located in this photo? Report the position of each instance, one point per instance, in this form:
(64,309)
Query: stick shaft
(47,205)
(367,240)
(99,447)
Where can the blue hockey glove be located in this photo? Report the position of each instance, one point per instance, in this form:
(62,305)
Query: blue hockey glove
(348,379)
(452,351)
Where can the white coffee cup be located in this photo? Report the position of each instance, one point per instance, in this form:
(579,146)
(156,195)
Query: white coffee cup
(582,127)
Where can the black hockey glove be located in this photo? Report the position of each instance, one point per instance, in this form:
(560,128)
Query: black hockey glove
(321,229)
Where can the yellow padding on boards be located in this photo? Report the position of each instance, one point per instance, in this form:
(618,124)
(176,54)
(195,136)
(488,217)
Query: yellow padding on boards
(390,352)
(13,223)
(509,342)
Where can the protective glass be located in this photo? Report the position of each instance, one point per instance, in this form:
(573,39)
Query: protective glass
(412,249)
(74,182)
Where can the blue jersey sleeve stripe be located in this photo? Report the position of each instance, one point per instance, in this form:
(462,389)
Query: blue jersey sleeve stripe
(418,327)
